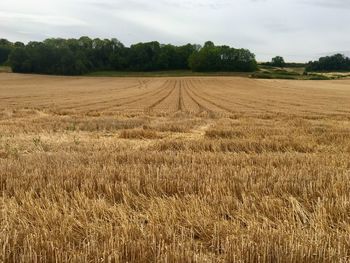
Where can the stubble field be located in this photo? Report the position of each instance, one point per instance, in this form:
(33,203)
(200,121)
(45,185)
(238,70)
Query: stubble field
(195,169)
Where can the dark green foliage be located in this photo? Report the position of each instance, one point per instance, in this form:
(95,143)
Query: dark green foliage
(278,61)
(144,56)
(336,62)
(153,56)
(222,58)
(4,53)
(67,56)
(84,55)
(49,57)
(19,61)
(5,50)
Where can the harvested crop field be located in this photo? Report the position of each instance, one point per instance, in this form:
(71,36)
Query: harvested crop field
(194,169)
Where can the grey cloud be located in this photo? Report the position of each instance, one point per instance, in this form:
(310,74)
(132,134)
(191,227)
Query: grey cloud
(282,28)
(110,5)
(329,3)
(199,4)
(295,29)
(41,19)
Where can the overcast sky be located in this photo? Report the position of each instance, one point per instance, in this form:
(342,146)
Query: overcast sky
(299,30)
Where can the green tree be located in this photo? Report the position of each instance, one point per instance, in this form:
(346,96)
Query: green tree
(222,58)
(5,50)
(337,62)
(144,56)
(278,61)
(79,56)
(167,57)
(20,61)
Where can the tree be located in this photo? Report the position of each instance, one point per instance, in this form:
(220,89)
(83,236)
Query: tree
(337,62)
(167,57)
(209,44)
(4,53)
(183,54)
(19,61)
(5,50)
(144,56)
(222,58)
(18,44)
(278,62)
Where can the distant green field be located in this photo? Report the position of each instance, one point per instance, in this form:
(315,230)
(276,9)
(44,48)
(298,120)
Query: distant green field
(265,72)
(173,73)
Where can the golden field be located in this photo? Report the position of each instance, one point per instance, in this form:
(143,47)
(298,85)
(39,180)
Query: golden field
(195,169)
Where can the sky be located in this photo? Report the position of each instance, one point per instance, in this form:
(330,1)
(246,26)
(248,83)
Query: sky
(298,30)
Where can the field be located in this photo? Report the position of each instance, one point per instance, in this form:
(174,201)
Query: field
(192,169)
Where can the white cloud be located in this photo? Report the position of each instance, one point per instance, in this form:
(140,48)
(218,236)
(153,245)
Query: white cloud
(9,17)
(295,29)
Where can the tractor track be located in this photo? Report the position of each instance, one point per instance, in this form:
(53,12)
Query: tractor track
(152,106)
(161,88)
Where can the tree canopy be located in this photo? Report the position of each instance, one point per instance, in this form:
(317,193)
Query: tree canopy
(5,49)
(278,61)
(337,62)
(222,58)
(79,56)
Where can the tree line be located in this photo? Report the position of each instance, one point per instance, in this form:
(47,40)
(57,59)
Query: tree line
(337,62)
(80,56)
